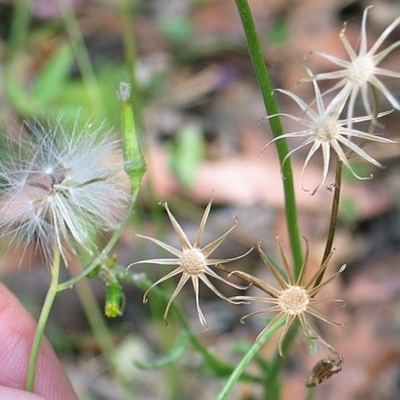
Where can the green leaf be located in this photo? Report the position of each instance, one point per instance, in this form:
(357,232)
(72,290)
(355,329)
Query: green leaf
(18,97)
(53,76)
(48,85)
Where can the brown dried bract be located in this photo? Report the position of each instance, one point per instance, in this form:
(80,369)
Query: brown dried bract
(323,370)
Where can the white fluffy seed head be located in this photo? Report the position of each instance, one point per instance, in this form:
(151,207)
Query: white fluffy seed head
(60,187)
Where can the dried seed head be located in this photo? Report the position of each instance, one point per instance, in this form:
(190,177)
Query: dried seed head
(323,370)
(193,262)
(324,130)
(361,73)
(295,298)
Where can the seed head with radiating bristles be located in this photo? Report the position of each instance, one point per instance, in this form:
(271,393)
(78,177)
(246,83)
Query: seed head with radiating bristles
(59,187)
(192,262)
(361,73)
(326,131)
(294,299)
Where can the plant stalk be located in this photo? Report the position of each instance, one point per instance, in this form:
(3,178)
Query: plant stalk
(333,219)
(266,88)
(44,316)
(258,344)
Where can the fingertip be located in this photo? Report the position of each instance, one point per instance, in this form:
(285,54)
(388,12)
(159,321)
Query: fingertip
(17,329)
(16,394)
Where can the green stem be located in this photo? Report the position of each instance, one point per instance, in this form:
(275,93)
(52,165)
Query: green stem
(82,56)
(310,394)
(101,256)
(130,56)
(44,316)
(272,383)
(248,358)
(266,88)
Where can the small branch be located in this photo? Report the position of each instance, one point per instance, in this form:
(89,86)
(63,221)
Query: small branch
(333,219)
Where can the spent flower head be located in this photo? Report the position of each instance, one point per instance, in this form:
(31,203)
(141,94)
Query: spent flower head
(360,73)
(294,299)
(192,261)
(324,129)
(59,187)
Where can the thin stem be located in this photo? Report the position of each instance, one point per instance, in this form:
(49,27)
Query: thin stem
(102,255)
(82,56)
(336,196)
(333,219)
(272,383)
(236,374)
(266,88)
(310,394)
(44,316)
(128,21)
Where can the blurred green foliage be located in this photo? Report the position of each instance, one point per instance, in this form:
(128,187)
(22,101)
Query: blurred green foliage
(48,71)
